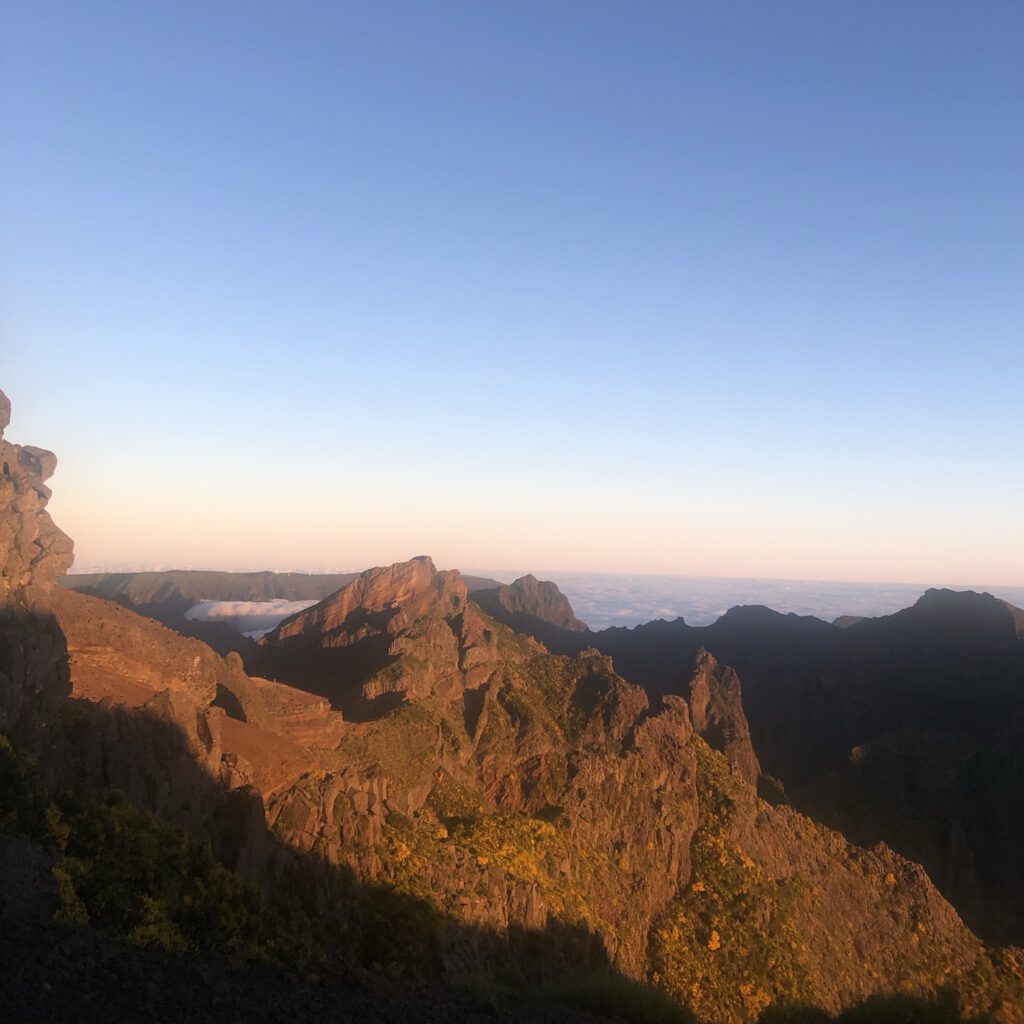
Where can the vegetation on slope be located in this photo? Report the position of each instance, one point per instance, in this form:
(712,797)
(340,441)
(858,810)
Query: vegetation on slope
(728,947)
(125,873)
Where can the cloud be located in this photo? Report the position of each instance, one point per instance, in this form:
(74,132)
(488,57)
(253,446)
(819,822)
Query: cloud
(253,618)
(605,599)
(608,599)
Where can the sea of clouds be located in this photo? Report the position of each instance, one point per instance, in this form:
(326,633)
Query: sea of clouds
(253,618)
(607,599)
(610,599)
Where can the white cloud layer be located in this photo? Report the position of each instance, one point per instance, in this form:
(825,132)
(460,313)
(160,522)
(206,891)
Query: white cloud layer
(253,618)
(604,599)
(610,599)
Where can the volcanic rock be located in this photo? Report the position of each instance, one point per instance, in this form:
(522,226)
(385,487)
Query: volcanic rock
(395,633)
(529,602)
(714,696)
(33,552)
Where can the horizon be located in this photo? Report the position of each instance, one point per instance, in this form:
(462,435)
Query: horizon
(602,600)
(708,291)
(90,568)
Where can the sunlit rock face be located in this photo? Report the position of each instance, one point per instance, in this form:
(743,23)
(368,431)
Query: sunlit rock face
(395,633)
(402,593)
(716,709)
(528,601)
(33,553)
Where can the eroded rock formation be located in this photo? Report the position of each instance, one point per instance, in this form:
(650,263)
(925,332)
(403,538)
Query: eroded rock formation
(529,601)
(33,553)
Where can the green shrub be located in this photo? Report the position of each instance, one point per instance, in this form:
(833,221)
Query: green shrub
(25,805)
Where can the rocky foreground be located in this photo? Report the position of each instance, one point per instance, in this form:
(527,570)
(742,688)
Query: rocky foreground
(404,785)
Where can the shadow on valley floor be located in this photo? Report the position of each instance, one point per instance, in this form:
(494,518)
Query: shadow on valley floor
(149,847)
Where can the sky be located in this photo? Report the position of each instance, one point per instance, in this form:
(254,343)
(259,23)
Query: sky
(728,289)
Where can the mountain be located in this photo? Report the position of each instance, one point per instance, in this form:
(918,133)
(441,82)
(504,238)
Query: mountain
(193,585)
(524,786)
(139,590)
(168,596)
(408,787)
(528,604)
(860,720)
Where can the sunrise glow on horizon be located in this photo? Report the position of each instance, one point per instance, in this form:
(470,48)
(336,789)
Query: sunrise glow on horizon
(553,288)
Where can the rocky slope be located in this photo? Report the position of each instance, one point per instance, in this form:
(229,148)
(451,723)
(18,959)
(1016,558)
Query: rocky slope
(169,596)
(424,775)
(862,719)
(553,769)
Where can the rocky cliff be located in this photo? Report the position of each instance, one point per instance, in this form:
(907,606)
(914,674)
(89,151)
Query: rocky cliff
(529,602)
(33,553)
(716,709)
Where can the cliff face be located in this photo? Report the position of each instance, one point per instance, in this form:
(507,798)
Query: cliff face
(33,553)
(529,602)
(716,708)
(393,634)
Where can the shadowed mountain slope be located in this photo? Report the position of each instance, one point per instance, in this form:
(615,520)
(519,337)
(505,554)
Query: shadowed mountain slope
(528,602)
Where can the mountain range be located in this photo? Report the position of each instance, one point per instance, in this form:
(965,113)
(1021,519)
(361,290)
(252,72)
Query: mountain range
(455,784)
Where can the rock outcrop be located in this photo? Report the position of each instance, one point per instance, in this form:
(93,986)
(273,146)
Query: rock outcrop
(33,553)
(716,708)
(399,594)
(529,602)
(394,633)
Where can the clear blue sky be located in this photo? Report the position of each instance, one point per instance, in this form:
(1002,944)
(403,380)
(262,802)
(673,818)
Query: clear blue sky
(724,288)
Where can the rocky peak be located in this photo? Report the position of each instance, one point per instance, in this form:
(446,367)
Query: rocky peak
(716,709)
(529,601)
(963,616)
(395,633)
(33,551)
(389,597)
